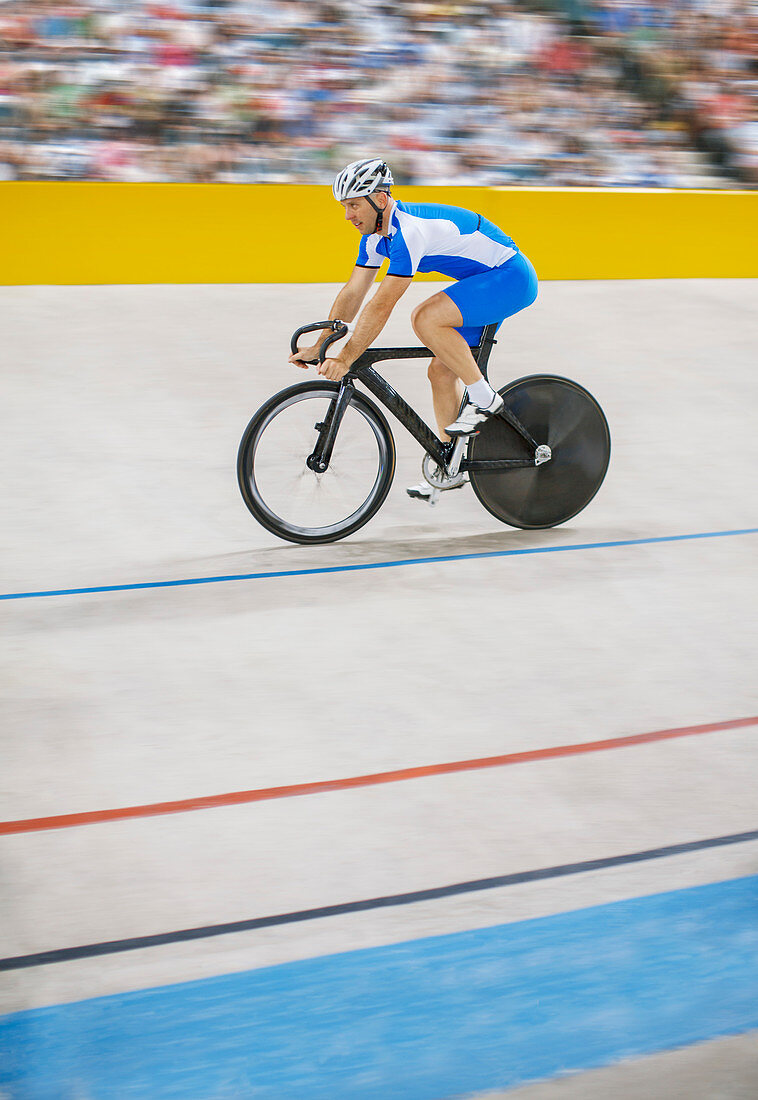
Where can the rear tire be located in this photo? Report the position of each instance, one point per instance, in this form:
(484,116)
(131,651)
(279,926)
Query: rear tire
(562,414)
(294,502)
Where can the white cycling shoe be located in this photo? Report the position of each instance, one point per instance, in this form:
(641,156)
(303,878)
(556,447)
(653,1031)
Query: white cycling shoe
(472,417)
(427,492)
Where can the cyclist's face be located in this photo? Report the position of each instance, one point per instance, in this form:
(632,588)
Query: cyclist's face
(362,214)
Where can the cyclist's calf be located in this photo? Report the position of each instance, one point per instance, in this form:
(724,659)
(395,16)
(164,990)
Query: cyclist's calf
(440,375)
(447,395)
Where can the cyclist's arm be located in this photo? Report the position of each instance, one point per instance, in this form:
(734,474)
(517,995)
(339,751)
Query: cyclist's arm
(350,298)
(374,317)
(346,306)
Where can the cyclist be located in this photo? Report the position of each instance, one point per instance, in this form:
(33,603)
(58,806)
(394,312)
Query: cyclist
(494,280)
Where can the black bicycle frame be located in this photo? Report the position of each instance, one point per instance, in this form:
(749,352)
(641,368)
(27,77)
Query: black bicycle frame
(393,402)
(363,370)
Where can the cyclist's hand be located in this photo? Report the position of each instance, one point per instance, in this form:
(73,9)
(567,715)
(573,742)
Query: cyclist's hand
(333,369)
(302,355)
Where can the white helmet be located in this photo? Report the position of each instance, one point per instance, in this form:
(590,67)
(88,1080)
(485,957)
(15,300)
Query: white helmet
(362,178)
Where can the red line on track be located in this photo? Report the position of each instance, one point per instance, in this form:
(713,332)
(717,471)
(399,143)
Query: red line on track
(237,798)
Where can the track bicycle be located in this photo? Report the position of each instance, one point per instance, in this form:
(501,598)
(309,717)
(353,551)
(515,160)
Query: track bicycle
(317,460)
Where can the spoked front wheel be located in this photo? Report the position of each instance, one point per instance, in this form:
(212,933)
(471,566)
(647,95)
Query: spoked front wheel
(563,415)
(288,497)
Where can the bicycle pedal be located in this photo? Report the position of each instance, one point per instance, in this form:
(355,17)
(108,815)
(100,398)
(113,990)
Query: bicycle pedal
(434,496)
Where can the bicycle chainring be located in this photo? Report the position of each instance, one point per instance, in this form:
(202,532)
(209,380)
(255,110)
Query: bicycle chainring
(437,476)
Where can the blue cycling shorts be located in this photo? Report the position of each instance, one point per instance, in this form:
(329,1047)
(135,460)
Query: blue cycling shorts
(493,295)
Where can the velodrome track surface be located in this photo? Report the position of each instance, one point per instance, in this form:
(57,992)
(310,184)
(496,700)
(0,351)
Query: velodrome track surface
(479,815)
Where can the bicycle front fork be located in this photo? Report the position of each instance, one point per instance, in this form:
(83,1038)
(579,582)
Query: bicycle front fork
(319,458)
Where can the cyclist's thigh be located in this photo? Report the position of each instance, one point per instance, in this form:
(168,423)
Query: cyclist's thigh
(494,295)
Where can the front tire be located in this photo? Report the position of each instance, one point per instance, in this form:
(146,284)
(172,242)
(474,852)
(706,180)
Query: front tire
(291,500)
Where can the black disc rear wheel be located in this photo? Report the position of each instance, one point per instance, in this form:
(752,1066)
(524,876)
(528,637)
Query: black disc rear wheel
(563,415)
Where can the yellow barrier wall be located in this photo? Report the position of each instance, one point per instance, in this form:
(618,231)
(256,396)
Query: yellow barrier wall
(259,233)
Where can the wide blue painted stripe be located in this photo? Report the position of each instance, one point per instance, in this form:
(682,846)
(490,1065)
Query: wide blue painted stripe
(371,565)
(432,1018)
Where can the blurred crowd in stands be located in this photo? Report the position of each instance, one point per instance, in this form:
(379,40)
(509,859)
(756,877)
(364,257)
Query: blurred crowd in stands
(635,93)
(703,54)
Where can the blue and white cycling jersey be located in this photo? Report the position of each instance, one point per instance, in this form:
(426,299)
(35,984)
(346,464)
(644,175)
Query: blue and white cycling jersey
(432,237)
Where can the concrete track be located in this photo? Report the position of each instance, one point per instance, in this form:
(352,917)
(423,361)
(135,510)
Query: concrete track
(122,410)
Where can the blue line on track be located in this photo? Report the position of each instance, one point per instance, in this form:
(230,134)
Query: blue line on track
(445,1016)
(370,565)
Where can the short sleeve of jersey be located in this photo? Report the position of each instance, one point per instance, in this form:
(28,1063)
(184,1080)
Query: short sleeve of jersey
(406,249)
(368,254)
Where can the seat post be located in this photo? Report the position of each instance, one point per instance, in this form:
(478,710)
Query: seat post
(486,344)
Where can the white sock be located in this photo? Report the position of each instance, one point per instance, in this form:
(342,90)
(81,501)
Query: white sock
(481,393)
